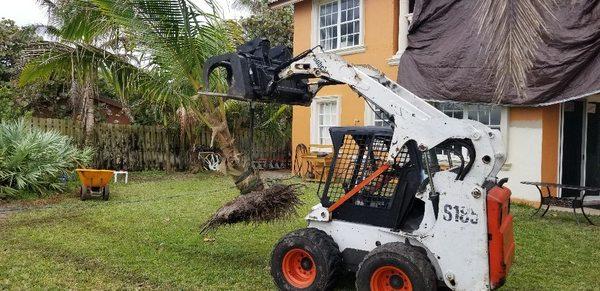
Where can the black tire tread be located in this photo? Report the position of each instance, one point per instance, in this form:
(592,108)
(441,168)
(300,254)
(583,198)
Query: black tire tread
(414,255)
(83,193)
(329,247)
(106,193)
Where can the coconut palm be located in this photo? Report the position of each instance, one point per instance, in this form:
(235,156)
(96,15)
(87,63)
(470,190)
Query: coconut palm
(179,37)
(83,47)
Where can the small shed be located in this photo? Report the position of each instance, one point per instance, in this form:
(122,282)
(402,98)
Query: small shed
(112,111)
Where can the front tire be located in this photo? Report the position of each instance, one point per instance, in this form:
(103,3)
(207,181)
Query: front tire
(306,259)
(395,266)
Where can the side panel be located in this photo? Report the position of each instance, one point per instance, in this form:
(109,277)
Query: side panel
(456,243)
(500,231)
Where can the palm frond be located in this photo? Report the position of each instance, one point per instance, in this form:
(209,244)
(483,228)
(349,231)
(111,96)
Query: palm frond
(513,30)
(180,36)
(45,61)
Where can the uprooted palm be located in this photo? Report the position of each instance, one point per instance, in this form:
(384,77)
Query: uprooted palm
(179,37)
(175,38)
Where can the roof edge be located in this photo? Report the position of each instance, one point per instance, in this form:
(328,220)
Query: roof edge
(108,101)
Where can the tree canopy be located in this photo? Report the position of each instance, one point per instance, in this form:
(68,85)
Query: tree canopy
(13,40)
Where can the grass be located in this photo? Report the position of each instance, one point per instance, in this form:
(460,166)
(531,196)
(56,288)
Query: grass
(146,236)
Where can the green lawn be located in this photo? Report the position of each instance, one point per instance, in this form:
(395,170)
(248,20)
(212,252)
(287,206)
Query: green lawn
(146,236)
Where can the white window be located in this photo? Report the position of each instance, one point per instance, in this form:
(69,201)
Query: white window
(375,116)
(496,117)
(339,24)
(325,114)
(487,114)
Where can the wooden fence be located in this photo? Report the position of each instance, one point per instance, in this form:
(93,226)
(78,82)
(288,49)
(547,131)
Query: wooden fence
(137,147)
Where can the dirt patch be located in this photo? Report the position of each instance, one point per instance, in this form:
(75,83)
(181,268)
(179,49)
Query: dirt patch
(40,202)
(277,175)
(45,220)
(9,207)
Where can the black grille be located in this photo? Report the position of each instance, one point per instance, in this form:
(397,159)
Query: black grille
(355,159)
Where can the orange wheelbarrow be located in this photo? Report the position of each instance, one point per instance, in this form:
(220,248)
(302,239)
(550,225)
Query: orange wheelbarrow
(94,183)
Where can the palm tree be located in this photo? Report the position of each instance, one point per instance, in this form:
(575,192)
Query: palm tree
(108,38)
(179,37)
(84,48)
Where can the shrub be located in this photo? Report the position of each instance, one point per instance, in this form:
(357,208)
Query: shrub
(33,161)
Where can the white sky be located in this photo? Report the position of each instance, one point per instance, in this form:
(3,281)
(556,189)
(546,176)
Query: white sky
(25,12)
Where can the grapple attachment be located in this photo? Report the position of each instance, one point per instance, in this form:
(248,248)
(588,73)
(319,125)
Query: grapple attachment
(252,74)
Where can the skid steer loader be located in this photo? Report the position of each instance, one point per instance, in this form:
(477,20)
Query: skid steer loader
(389,209)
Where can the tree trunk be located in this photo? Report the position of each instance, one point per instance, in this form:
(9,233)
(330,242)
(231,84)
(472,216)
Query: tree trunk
(247,179)
(82,95)
(128,112)
(88,94)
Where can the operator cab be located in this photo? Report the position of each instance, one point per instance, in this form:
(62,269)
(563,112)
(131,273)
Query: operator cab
(393,199)
(387,201)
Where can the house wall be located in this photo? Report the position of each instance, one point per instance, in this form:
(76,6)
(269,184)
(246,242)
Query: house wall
(594,98)
(380,42)
(532,149)
(550,144)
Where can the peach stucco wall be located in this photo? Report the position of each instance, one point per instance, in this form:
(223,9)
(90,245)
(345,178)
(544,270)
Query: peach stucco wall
(380,41)
(550,143)
(546,121)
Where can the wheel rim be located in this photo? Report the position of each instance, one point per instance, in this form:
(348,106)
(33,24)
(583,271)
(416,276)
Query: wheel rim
(389,278)
(299,268)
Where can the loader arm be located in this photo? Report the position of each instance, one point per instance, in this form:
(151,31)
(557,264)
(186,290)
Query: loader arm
(412,117)
(258,73)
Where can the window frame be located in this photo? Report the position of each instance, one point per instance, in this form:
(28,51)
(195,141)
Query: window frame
(371,118)
(316,34)
(467,107)
(315,127)
(504,116)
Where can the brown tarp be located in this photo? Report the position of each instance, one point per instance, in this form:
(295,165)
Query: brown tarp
(444,60)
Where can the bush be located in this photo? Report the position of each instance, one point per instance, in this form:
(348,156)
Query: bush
(33,161)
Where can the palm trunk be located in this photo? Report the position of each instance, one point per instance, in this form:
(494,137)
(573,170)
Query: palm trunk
(247,179)
(128,112)
(82,99)
(88,95)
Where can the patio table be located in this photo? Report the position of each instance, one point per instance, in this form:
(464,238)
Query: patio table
(589,196)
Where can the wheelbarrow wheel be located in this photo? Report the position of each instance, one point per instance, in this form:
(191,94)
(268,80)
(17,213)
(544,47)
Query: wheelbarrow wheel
(105,193)
(83,193)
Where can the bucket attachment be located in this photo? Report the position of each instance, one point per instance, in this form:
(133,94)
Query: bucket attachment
(252,74)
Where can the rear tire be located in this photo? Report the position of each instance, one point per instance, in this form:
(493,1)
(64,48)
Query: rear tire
(395,266)
(106,193)
(306,259)
(83,193)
